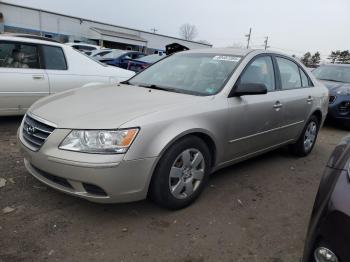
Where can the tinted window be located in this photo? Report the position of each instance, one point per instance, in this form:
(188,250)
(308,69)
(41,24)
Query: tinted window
(304,79)
(260,71)
(127,56)
(290,75)
(18,55)
(135,56)
(338,73)
(54,58)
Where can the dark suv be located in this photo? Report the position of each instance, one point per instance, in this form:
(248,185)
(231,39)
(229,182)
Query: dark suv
(328,236)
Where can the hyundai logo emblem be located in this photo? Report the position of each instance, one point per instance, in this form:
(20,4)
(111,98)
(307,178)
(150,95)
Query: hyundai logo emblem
(30,130)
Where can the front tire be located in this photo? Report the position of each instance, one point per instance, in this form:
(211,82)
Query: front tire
(307,139)
(181,174)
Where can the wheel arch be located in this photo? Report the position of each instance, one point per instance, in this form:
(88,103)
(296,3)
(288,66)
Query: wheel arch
(318,114)
(207,138)
(203,135)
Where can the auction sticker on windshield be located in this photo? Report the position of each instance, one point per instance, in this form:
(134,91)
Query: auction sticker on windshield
(226,58)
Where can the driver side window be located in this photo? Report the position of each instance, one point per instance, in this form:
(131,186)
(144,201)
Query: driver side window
(260,71)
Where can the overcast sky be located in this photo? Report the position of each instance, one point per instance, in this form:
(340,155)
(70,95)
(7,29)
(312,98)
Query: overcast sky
(292,26)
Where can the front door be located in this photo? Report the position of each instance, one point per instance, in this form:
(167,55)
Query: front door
(256,119)
(21,77)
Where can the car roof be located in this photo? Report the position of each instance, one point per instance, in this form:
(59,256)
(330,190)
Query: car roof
(8,37)
(81,44)
(233,51)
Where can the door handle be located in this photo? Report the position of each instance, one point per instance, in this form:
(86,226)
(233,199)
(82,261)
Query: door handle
(38,77)
(277,105)
(309,99)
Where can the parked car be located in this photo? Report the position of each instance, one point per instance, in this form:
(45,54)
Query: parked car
(337,79)
(85,48)
(329,229)
(161,133)
(120,58)
(99,53)
(32,68)
(142,63)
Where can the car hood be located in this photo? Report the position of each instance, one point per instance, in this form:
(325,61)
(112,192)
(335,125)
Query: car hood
(105,107)
(334,87)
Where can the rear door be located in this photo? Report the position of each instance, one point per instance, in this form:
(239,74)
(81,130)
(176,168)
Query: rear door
(297,96)
(22,79)
(66,74)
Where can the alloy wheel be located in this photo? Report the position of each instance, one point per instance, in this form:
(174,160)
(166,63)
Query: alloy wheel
(310,136)
(186,173)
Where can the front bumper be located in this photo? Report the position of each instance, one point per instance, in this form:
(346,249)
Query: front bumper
(95,177)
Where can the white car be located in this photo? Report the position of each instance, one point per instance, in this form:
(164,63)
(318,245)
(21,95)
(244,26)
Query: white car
(32,68)
(83,47)
(99,53)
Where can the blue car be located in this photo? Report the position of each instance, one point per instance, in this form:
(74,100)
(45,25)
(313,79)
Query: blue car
(336,78)
(120,58)
(137,65)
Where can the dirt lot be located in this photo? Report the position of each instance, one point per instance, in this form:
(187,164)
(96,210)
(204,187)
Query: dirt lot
(255,211)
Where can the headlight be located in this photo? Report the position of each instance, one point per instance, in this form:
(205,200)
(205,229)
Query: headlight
(344,91)
(99,141)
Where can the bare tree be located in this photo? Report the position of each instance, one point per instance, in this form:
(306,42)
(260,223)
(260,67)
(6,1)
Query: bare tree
(188,31)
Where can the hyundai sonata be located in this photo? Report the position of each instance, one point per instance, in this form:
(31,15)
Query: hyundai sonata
(163,132)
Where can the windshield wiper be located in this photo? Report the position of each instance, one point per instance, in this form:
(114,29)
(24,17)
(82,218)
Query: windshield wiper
(157,87)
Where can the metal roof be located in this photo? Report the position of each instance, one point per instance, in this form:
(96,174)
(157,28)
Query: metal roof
(118,34)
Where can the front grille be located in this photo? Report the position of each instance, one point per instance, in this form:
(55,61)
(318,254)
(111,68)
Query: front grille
(332,99)
(344,107)
(35,132)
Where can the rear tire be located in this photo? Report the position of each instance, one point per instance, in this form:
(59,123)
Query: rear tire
(307,139)
(181,173)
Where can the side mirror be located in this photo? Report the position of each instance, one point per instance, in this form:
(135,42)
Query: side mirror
(245,89)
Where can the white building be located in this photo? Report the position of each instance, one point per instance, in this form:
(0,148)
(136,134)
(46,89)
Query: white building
(21,19)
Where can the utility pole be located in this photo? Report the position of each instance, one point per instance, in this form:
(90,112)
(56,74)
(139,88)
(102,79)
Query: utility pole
(248,37)
(154,30)
(266,41)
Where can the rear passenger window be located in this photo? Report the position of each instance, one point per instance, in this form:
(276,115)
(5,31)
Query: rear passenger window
(54,58)
(304,79)
(290,75)
(18,55)
(260,71)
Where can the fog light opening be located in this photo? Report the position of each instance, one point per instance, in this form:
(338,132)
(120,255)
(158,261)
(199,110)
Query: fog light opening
(323,254)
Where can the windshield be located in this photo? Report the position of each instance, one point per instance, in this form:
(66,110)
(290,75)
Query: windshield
(201,74)
(151,58)
(333,73)
(113,54)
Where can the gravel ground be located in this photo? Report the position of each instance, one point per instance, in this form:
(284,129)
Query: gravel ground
(257,210)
